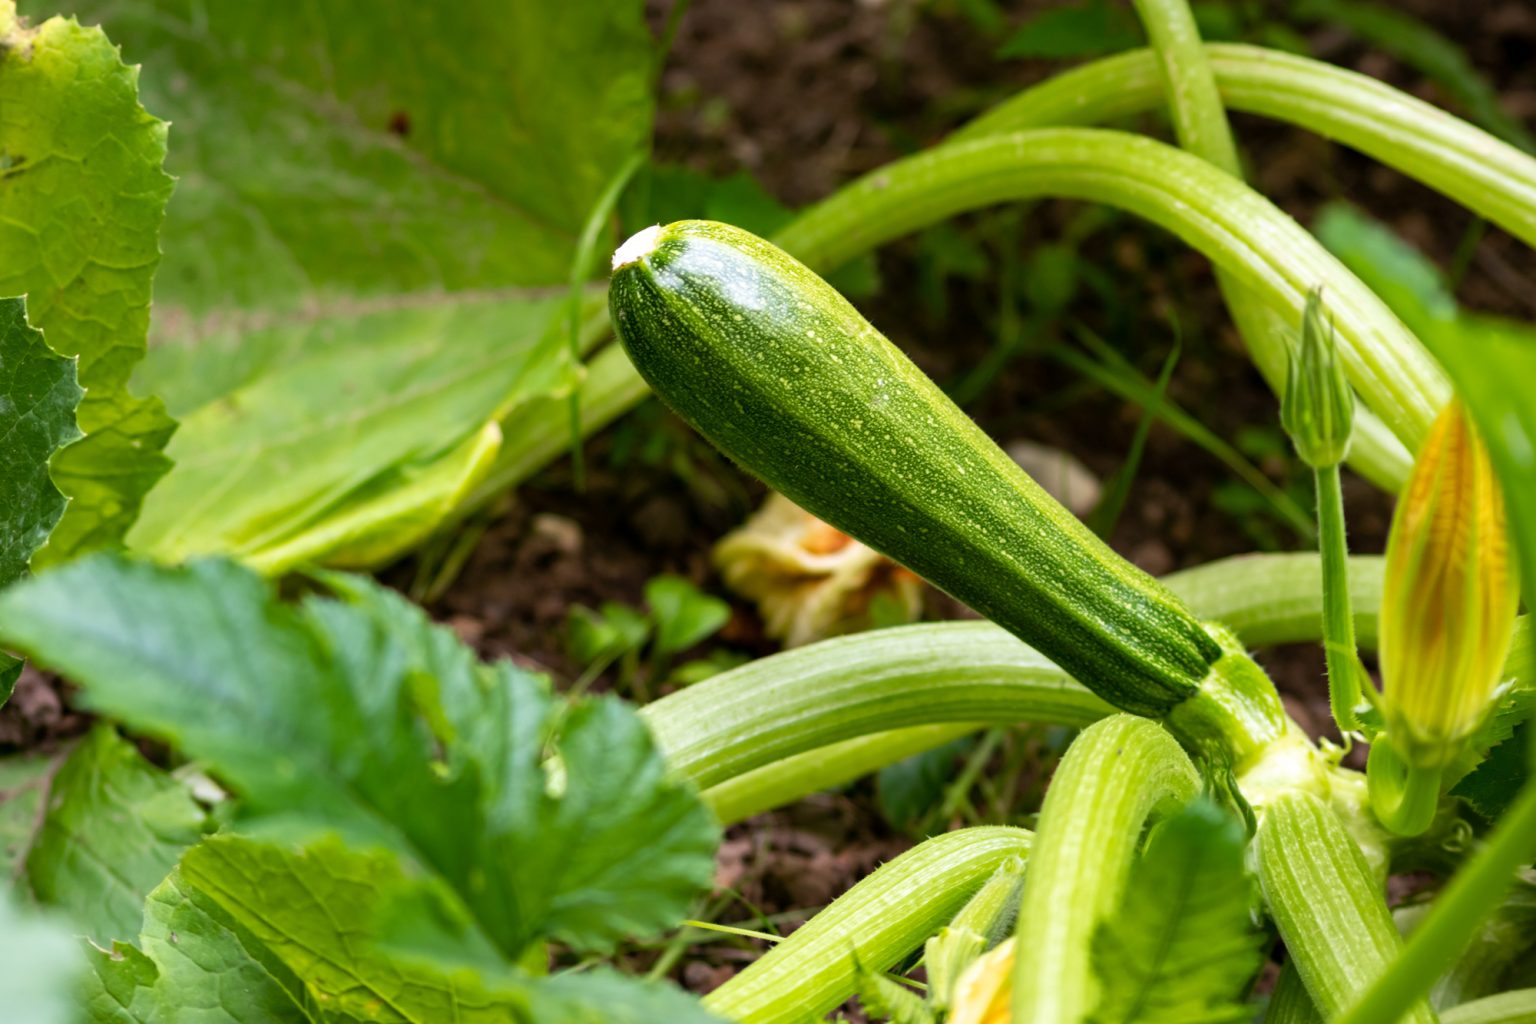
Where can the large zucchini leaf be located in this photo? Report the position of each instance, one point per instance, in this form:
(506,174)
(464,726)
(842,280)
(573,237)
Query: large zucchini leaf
(377,208)
(82,194)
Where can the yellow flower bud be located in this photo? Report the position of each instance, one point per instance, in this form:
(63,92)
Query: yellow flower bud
(984,993)
(1450,595)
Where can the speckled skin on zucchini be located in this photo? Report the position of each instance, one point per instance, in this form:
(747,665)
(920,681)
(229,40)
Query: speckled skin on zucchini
(780,372)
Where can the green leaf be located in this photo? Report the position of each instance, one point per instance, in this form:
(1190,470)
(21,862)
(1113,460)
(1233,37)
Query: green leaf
(604,997)
(1182,946)
(1090,29)
(913,786)
(82,194)
(317,911)
(610,632)
(1494,784)
(684,614)
(115,826)
(212,970)
(120,987)
(358,715)
(344,423)
(24,780)
(40,967)
(1404,278)
(38,395)
(891,1000)
(377,209)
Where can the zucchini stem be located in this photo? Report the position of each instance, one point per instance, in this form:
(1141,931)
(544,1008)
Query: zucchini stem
(581,270)
(1404,795)
(1344,672)
(1117,773)
(1454,918)
(873,925)
(1328,905)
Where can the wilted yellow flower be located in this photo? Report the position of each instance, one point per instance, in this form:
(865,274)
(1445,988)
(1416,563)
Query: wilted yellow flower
(809,579)
(1450,595)
(984,993)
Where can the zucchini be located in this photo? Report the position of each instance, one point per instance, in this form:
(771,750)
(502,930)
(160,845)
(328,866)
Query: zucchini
(780,372)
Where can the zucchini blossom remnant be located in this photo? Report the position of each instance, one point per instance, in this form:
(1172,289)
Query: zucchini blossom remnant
(810,580)
(1318,409)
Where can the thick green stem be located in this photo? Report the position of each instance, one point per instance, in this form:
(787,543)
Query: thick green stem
(1291,1003)
(1461,908)
(784,781)
(1328,906)
(1200,122)
(1262,248)
(755,756)
(1188,85)
(1338,622)
(812,696)
(873,925)
(581,272)
(1450,155)
(1277,599)
(1115,775)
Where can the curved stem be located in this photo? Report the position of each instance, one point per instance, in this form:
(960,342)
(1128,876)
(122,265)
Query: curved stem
(1477,170)
(1517,1007)
(1115,775)
(1328,907)
(873,925)
(771,732)
(1458,912)
(812,696)
(1189,88)
(1278,599)
(1338,622)
(1243,233)
(1404,796)
(1290,1003)
(1452,156)
(1200,121)
(821,768)
(581,271)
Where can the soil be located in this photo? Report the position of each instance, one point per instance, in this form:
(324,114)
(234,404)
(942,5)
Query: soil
(807,94)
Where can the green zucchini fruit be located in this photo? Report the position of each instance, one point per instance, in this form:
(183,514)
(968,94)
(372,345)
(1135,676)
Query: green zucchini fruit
(780,372)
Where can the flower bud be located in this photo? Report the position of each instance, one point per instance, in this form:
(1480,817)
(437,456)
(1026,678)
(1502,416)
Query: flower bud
(1450,595)
(1318,409)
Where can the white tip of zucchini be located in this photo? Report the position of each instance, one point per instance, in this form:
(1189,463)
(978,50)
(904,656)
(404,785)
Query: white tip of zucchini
(638,247)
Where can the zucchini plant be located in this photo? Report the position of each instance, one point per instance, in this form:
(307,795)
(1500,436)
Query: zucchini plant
(747,344)
(366,823)
(783,374)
